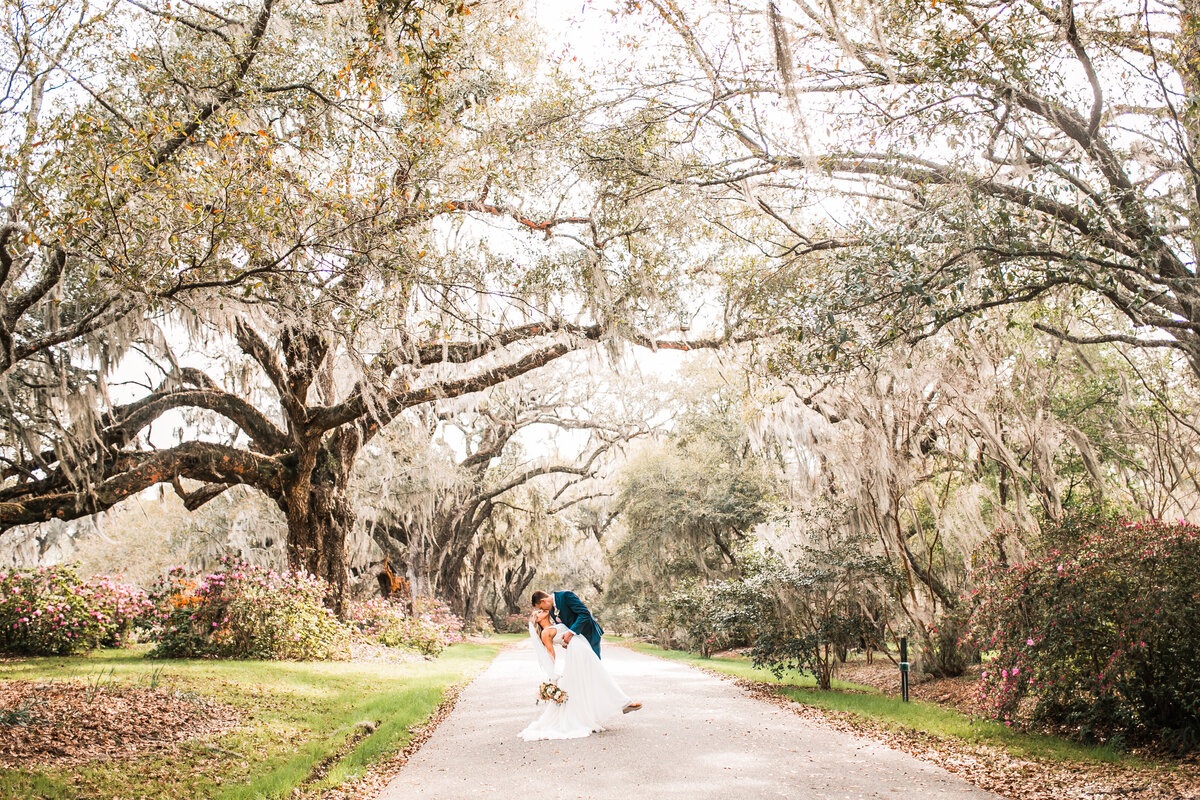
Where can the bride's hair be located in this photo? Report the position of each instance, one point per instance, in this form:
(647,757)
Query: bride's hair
(538,597)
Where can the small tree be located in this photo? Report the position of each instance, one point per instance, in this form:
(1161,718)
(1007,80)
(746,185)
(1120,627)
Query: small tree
(810,612)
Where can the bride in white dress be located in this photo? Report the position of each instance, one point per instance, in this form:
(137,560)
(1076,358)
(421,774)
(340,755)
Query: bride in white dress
(593,697)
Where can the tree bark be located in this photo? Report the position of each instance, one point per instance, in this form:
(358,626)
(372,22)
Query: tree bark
(319,514)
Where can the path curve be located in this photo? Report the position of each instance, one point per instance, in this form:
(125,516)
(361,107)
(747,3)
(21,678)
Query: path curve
(697,738)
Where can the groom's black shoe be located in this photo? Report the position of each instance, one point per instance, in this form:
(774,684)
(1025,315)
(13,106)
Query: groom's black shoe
(631,707)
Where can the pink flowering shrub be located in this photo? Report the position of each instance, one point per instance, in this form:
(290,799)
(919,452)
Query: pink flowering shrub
(1099,634)
(50,611)
(124,606)
(429,630)
(245,611)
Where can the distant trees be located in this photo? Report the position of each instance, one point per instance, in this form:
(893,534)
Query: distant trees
(689,504)
(976,440)
(488,519)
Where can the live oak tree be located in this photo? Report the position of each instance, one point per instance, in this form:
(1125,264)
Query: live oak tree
(301,190)
(917,162)
(691,502)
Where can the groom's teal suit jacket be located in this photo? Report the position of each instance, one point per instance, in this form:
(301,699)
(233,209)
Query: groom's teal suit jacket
(575,615)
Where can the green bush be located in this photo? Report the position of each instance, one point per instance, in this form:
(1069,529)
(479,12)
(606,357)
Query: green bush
(707,617)
(245,611)
(802,614)
(512,623)
(1099,634)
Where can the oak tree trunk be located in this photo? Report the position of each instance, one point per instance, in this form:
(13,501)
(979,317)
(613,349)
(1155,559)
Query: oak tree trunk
(320,516)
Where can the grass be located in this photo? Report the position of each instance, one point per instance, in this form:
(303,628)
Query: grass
(868,703)
(741,668)
(298,714)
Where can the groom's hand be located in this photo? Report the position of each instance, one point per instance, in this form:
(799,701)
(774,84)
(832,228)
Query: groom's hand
(567,638)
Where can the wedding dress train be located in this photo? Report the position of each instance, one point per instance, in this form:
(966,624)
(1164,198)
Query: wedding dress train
(593,697)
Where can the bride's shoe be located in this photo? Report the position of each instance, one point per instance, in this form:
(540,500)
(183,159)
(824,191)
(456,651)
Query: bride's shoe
(631,707)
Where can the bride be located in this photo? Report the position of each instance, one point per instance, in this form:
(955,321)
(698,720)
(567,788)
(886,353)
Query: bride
(593,697)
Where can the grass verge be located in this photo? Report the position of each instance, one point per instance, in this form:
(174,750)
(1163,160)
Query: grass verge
(868,703)
(298,715)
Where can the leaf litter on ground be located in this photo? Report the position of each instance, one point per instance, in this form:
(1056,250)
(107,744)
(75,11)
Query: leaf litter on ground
(68,723)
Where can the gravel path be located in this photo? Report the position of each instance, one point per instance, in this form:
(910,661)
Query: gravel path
(698,737)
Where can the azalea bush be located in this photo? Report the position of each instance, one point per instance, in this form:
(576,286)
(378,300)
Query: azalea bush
(1099,634)
(245,611)
(125,607)
(51,611)
(429,630)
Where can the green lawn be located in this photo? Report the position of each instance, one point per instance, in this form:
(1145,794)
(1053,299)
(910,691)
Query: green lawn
(869,703)
(301,712)
(741,668)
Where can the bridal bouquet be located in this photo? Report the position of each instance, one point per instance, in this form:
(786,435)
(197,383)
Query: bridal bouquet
(550,691)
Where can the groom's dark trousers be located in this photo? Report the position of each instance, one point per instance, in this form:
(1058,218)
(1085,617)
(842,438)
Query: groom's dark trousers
(575,615)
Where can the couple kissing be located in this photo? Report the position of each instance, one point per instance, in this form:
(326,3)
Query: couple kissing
(566,640)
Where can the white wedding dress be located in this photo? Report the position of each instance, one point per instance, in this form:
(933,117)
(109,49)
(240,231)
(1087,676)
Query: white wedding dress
(593,697)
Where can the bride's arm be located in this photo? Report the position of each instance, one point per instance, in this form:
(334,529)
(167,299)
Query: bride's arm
(548,639)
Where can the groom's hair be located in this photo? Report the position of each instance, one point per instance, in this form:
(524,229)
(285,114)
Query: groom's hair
(538,597)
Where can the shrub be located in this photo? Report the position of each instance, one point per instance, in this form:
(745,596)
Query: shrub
(704,616)
(429,630)
(245,611)
(50,611)
(47,612)
(512,623)
(438,614)
(810,612)
(1099,634)
(124,607)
